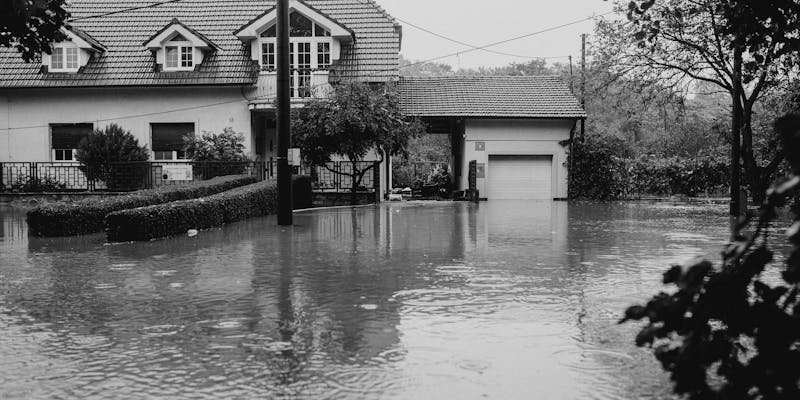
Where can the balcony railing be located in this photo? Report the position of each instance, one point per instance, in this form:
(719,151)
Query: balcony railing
(305,84)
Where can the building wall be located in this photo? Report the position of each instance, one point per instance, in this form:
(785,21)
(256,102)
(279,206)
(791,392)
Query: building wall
(517,137)
(26,114)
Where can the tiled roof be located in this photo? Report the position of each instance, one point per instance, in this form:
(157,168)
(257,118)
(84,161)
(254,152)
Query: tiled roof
(372,57)
(489,97)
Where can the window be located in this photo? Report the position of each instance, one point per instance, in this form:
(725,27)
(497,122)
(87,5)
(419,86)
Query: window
(64,139)
(310,49)
(64,58)
(323,55)
(268,56)
(167,140)
(178,57)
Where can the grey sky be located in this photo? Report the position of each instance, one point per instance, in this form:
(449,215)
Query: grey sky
(483,22)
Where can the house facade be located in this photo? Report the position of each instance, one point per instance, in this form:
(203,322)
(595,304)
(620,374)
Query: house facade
(189,67)
(185,67)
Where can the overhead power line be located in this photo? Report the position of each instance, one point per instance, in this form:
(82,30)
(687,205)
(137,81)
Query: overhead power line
(124,10)
(374,74)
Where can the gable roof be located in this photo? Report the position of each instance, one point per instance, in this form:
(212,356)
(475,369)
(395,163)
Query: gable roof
(374,56)
(248,30)
(191,32)
(92,42)
(489,97)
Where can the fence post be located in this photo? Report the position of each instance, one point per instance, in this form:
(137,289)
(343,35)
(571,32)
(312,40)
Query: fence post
(2,186)
(376,180)
(472,194)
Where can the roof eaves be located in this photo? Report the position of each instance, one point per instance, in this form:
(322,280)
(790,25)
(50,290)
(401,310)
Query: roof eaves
(175,21)
(87,37)
(335,21)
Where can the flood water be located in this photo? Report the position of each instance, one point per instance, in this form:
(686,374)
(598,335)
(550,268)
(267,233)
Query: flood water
(502,300)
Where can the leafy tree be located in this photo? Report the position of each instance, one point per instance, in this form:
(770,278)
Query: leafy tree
(114,156)
(217,154)
(733,331)
(745,48)
(354,121)
(31,26)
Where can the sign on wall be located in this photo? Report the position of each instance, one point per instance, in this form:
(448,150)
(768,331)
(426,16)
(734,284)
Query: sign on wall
(177,172)
(480,170)
(480,146)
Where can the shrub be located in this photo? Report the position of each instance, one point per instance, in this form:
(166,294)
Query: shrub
(87,216)
(302,194)
(35,184)
(163,220)
(102,149)
(599,171)
(226,148)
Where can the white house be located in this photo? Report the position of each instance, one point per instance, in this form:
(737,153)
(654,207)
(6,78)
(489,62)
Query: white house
(163,71)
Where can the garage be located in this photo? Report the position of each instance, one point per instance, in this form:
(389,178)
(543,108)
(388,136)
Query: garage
(510,136)
(519,177)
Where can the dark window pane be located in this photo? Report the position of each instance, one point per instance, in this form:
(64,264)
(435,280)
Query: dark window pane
(67,136)
(299,25)
(320,31)
(169,137)
(270,32)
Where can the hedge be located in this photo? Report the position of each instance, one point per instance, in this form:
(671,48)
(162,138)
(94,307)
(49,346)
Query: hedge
(163,220)
(88,216)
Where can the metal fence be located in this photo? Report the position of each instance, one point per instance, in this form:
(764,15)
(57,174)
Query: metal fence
(72,176)
(332,177)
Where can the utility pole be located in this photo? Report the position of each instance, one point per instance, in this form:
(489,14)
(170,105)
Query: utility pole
(283,116)
(583,82)
(571,77)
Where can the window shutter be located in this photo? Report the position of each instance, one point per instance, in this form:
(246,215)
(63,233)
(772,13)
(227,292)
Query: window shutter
(67,136)
(169,137)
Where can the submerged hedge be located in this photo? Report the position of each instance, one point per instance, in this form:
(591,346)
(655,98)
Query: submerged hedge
(88,216)
(178,217)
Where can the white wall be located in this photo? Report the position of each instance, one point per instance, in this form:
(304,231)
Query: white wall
(26,114)
(517,137)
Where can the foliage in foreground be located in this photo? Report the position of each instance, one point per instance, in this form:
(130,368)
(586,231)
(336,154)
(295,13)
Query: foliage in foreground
(31,26)
(87,216)
(174,218)
(728,331)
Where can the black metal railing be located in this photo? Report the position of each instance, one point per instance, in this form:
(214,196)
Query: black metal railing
(73,176)
(335,176)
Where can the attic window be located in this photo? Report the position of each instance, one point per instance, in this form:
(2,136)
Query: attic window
(178,56)
(300,26)
(64,59)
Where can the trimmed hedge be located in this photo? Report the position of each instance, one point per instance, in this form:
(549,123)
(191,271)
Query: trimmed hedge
(163,220)
(302,193)
(88,216)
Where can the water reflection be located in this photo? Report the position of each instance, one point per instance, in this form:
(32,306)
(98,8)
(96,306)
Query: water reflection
(446,300)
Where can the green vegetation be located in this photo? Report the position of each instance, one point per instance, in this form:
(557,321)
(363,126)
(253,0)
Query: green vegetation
(224,152)
(114,156)
(163,220)
(87,216)
(732,331)
(356,120)
(31,26)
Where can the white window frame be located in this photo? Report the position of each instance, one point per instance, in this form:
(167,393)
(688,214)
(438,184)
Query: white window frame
(63,49)
(181,48)
(174,153)
(172,157)
(54,157)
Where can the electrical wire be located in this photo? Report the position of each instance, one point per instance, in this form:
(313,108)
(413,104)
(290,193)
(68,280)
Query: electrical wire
(101,15)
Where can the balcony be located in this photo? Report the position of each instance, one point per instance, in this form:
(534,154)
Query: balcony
(306,84)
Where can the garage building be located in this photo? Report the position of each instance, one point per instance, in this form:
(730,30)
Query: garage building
(515,128)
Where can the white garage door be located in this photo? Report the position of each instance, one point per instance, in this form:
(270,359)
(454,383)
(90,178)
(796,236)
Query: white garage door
(519,178)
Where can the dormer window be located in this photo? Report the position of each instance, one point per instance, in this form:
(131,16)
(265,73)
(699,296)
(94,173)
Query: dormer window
(177,47)
(64,59)
(73,53)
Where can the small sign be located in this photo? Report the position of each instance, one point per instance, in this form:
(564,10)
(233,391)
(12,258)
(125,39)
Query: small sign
(480,146)
(480,170)
(294,157)
(177,172)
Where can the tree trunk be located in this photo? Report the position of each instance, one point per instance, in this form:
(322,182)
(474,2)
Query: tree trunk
(736,126)
(354,181)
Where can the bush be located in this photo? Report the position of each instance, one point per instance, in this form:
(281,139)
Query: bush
(87,216)
(101,149)
(226,148)
(599,170)
(163,220)
(34,184)
(302,194)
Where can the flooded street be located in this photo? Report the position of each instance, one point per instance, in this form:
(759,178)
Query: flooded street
(502,300)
